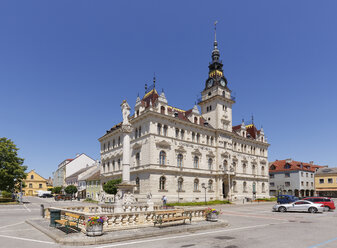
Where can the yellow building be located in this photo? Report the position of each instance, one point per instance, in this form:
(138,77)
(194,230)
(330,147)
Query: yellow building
(34,182)
(326,182)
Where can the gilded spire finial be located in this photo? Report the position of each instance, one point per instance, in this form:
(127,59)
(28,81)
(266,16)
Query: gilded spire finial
(215,30)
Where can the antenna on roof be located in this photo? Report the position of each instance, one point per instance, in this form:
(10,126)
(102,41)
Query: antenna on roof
(252,119)
(154,80)
(145,88)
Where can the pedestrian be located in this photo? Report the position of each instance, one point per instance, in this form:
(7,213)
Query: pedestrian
(164,199)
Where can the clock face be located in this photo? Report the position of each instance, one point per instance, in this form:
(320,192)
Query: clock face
(223,82)
(210,83)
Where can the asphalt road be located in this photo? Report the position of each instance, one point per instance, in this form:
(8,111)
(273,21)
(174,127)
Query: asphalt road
(251,225)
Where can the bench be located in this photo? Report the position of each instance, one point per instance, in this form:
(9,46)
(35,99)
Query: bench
(161,217)
(70,220)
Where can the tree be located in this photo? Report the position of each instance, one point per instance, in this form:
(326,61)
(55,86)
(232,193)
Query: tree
(12,172)
(111,186)
(71,189)
(56,190)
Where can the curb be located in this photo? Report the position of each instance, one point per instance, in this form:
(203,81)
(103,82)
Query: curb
(106,239)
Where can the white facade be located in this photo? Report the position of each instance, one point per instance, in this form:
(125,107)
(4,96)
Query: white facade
(69,167)
(175,152)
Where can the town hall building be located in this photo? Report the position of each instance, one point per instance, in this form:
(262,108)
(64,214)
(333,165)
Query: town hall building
(188,155)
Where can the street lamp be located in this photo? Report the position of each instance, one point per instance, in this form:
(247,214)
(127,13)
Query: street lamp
(204,187)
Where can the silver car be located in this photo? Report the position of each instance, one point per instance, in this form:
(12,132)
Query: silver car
(299,206)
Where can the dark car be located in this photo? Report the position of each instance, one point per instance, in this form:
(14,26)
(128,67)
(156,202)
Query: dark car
(47,195)
(327,202)
(63,197)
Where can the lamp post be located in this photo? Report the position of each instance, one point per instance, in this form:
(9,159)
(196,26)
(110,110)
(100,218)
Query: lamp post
(204,187)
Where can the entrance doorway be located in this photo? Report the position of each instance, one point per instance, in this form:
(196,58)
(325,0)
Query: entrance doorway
(225,189)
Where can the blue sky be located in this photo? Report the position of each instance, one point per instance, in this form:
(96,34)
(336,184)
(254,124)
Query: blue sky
(65,67)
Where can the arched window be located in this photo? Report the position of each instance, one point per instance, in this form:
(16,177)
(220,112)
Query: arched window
(103,168)
(244,187)
(253,169)
(162,157)
(180,184)
(225,163)
(234,166)
(263,188)
(119,141)
(113,144)
(244,166)
(137,183)
(198,138)
(136,133)
(108,145)
(162,109)
(177,132)
(108,166)
(119,164)
(210,185)
(30,185)
(262,170)
(207,140)
(165,130)
(162,181)
(113,165)
(195,120)
(159,129)
(210,164)
(196,184)
(234,186)
(140,132)
(193,136)
(31,176)
(196,162)
(212,139)
(137,158)
(180,160)
(182,134)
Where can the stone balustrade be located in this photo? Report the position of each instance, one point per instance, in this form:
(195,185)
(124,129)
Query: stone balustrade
(126,220)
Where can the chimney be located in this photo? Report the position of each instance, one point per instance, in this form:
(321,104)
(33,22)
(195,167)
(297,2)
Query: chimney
(289,160)
(311,162)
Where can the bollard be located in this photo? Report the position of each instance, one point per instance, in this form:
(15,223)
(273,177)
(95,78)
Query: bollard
(42,210)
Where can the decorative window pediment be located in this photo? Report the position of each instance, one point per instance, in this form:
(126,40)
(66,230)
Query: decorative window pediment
(180,149)
(235,158)
(163,144)
(196,152)
(210,154)
(225,155)
(136,146)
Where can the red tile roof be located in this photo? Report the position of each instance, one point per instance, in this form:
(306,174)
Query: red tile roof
(280,166)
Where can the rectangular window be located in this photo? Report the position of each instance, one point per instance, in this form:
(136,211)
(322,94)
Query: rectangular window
(307,183)
(287,184)
(312,184)
(271,175)
(312,175)
(307,174)
(329,180)
(40,185)
(321,180)
(272,184)
(287,175)
(302,183)
(302,174)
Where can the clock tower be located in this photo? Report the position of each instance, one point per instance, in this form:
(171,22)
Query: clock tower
(216,101)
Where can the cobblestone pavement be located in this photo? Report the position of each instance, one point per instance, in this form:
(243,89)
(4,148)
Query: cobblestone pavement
(251,225)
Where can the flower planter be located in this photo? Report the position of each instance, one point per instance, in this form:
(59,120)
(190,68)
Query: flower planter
(212,217)
(95,230)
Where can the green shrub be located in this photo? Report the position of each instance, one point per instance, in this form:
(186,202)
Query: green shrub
(6,194)
(267,199)
(6,200)
(90,200)
(215,202)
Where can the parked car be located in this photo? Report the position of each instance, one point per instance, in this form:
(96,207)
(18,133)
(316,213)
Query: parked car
(327,202)
(63,197)
(299,206)
(47,195)
(282,199)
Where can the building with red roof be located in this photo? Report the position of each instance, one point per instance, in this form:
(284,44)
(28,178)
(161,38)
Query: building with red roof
(180,153)
(291,177)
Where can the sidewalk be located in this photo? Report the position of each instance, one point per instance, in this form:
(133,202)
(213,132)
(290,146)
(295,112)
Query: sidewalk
(121,235)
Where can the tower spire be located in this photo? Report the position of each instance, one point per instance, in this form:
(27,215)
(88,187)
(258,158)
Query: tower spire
(215,52)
